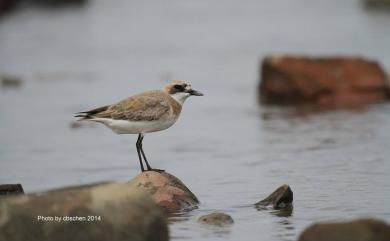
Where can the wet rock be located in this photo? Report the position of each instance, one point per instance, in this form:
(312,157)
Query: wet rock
(79,124)
(107,211)
(55,3)
(166,190)
(357,230)
(75,124)
(281,198)
(217,219)
(8,81)
(326,82)
(377,3)
(7,5)
(9,189)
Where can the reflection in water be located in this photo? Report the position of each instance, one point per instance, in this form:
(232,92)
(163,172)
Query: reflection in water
(285,229)
(284,212)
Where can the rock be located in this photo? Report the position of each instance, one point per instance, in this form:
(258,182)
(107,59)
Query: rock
(75,124)
(377,3)
(79,124)
(325,82)
(357,230)
(217,219)
(56,3)
(8,189)
(106,211)
(167,191)
(8,81)
(7,5)
(281,198)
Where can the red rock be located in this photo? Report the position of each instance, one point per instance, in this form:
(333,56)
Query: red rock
(330,82)
(166,190)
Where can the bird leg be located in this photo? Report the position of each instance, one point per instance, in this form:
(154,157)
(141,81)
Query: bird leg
(141,138)
(149,168)
(138,145)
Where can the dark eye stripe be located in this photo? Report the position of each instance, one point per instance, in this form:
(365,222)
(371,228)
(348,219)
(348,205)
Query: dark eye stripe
(179,87)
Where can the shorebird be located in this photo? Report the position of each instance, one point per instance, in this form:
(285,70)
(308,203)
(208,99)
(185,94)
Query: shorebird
(146,112)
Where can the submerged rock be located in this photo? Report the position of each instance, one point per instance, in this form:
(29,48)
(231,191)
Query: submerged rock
(8,81)
(324,82)
(281,198)
(217,219)
(356,230)
(166,190)
(108,211)
(8,189)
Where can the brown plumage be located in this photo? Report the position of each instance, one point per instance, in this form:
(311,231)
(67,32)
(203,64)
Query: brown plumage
(146,106)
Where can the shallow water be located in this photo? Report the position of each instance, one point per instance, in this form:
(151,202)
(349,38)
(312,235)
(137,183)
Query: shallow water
(229,150)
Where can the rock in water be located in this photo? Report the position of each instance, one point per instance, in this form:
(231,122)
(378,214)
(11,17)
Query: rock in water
(380,4)
(166,190)
(217,219)
(280,198)
(8,189)
(357,230)
(109,211)
(324,82)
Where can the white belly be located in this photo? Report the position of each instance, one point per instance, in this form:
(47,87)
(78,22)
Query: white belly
(135,127)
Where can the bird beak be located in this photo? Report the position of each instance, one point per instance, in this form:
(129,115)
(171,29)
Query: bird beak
(195,92)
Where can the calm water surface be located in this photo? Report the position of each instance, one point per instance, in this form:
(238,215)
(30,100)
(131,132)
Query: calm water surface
(229,150)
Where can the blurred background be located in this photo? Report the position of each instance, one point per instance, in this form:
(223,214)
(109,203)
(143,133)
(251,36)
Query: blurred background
(231,151)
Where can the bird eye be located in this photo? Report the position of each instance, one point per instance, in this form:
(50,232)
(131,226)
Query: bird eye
(179,87)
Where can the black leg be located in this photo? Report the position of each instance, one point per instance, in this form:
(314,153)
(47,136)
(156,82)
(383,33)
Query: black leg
(138,145)
(143,153)
(149,168)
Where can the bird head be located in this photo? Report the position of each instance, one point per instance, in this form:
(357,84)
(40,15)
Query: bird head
(180,90)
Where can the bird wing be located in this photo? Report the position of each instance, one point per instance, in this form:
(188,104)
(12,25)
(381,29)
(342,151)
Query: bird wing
(147,106)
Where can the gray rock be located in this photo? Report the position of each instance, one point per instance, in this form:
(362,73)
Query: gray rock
(167,191)
(217,219)
(9,189)
(356,230)
(281,198)
(106,211)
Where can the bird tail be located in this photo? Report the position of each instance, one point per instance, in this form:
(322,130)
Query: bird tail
(90,114)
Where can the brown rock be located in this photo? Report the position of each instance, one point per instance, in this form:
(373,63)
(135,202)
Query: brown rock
(108,211)
(8,189)
(357,230)
(328,82)
(217,219)
(281,198)
(167,191)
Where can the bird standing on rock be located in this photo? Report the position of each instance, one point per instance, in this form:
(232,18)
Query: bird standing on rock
(146,112)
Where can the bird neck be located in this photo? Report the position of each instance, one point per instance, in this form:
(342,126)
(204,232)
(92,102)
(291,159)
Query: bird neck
(180,97)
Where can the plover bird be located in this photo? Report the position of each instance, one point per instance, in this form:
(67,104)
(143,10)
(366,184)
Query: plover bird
(150,111)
